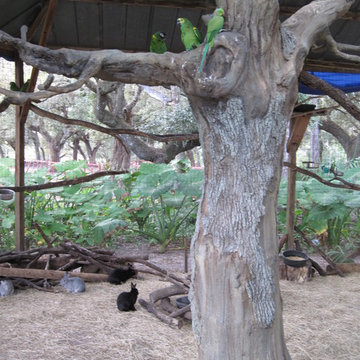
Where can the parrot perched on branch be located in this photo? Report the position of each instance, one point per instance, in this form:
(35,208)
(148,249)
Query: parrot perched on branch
(157,44)
(13,86)
(191,37)
(214,26)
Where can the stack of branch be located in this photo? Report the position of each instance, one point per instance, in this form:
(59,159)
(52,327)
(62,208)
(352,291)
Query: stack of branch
(161,305)
(44,267)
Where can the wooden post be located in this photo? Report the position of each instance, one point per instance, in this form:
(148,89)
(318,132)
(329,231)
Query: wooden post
(291,198)
(19,163)
(298,127)
(21,116)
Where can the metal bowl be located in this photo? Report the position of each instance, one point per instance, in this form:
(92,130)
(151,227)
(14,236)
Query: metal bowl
(6,194)
(289,257)
(182,302)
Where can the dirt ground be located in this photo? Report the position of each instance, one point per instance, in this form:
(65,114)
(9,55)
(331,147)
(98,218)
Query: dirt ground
(321,321)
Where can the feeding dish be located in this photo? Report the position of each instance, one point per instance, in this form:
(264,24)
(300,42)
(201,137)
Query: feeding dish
(6,194)
(295,258)
(182,302)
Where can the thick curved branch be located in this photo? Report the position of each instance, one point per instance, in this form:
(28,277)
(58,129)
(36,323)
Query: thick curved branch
(338,95)
(113,132)
(309,22)
(20,98)
(112,65)
(338,49)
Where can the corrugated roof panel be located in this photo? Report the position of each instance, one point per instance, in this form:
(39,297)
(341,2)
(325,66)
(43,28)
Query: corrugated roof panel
(66,31)
(13,15)
(137,27)
(87,15)
(114,26)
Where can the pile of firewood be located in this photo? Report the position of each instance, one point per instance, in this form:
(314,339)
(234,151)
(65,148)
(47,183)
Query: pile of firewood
(42,268)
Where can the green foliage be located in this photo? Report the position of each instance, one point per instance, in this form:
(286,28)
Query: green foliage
(155,201)
(162,202)
(322,208)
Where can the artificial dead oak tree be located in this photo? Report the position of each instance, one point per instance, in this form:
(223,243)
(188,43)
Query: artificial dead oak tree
(242,101)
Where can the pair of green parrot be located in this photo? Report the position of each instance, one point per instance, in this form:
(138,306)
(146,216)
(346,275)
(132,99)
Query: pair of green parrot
(14,87)
(191,37)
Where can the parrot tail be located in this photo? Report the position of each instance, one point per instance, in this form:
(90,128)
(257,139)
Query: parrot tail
(206,48)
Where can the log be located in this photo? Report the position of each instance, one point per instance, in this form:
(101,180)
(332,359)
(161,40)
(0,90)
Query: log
(170,308)
(297,274)
(180,312)
(48,274)
(310,243)
(316,266)
(175,323)
(166,292)
(344,267)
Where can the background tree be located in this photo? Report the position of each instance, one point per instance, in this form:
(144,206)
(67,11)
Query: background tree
(242,102)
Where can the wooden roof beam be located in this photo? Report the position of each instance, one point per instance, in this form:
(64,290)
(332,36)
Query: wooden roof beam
(193,4)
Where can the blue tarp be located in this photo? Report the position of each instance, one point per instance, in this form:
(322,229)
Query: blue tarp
(343,81)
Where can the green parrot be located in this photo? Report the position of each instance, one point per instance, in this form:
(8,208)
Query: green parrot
(191,37)
(157,44)
(13,86)
(214,26)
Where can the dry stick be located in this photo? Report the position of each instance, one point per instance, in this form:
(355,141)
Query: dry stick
(37,287)
(157,268)
(282,241)
(181,311)
(165,318)
(40,230)
(76,181)
(310,243)
(166,292)
(318,267)
(345,185)
(170,308)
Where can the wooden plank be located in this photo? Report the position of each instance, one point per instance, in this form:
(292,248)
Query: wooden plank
(48,274)
(298,129)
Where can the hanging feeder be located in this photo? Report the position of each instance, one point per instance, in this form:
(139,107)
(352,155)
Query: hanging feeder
(7,194)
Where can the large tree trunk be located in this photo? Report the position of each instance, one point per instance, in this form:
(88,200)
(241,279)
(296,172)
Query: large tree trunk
(235,275)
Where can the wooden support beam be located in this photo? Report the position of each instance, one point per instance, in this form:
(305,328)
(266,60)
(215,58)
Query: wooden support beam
(298,127)
(19,163)
(21,116)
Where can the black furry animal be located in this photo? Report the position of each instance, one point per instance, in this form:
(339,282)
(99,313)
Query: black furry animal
(118,276)
(127,300)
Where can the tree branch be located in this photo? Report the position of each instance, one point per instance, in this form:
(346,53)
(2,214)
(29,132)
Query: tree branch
(113,132)
(309,22)
(111,65)
(346,184)
(76,181)
(338,95)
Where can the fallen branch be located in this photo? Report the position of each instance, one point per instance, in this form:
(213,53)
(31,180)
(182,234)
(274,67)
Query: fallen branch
(163,317)
(310,243)
(48,274)
(166,292)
